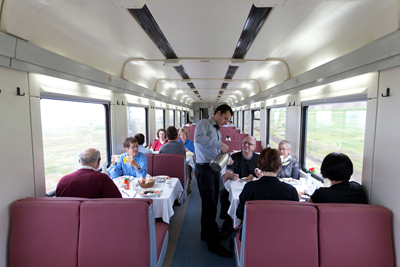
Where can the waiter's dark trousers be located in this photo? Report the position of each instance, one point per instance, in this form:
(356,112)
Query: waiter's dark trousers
(208,182)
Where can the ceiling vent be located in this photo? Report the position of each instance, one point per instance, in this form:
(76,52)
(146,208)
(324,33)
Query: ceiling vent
(191,85)
(224,85)
(221,92)
(196,92)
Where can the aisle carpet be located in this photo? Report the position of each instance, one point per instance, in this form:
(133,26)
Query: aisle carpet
(190,249)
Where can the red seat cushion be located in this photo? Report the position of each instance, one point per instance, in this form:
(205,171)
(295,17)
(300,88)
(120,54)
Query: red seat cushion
(45,233)
(121,235)
(355,235)
(161,231)
(149,164)
(281,235)
(172,165)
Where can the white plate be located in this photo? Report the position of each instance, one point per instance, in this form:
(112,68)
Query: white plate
(161,178)
(151,192)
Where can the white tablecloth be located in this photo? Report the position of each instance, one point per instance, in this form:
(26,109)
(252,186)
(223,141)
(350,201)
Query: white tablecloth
(235,188)
(162,206)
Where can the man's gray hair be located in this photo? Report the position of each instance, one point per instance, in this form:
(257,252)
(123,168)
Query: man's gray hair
(287,143)
(89,156)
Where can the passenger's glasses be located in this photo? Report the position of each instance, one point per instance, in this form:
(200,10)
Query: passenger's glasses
(247,143)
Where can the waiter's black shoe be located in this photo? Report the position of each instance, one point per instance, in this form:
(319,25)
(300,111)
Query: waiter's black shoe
(220,251)
(226,228)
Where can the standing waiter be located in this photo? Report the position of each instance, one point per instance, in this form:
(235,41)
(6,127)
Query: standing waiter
(208,145)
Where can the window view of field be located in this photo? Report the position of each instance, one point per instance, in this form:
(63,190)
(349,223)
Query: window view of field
(137,122)
(336,128)
(159,119)
(68,128)
(277,120)
(256,124)
(246,121)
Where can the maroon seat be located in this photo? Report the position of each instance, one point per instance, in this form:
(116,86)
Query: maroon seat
(271,238)
(325,235)
(355,235)
(258,147)
(234,131)
(233,145)
(44,233)
(239,137)
(149,164)
(172,165)
(86,232)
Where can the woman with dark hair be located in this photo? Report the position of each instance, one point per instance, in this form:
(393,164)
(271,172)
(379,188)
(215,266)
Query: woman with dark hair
(338,168)
(161,135)
(268,186)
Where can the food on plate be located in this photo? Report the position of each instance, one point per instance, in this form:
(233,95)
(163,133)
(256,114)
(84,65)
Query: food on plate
(249,178)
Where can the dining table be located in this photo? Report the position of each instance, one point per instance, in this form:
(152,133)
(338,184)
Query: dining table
(162,203)
(235,188)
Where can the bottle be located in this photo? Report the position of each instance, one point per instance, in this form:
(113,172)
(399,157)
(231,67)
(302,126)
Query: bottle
(126,183)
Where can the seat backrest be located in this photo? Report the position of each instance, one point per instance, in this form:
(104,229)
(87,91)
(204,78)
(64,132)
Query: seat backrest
(172,165)
(149,164)
(44,232)
(234,131)
(233,145)
(355,235)
(239,137)
(258,147)
(121,235)
(280,233)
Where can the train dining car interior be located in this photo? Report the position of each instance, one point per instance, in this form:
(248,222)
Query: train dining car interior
(322,74)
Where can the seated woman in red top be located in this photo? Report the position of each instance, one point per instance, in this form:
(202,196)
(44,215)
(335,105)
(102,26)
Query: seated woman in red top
(161,135)
(338,168)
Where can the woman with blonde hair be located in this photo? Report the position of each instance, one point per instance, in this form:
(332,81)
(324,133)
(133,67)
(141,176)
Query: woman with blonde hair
(184,135)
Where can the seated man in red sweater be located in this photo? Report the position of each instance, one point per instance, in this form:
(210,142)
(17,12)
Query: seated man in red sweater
(87,182)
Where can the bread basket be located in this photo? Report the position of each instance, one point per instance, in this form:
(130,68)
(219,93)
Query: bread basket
(148,185)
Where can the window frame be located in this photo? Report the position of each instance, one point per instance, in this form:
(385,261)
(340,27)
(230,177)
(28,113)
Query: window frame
(252,120)
(269,121)
(107,114)
(163,110)
(173,117)
(146,112)
(304,116)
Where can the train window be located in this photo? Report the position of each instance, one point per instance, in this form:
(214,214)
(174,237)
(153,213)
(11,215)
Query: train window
(338,127)
(69,127)
(245,121)
(171,117)
(137,121)
(179,119)
(160,118)
(277,118)
(255,130)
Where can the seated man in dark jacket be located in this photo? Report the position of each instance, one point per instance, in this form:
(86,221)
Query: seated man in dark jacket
(172,147)
(244,164)
(87,182)
(268,187)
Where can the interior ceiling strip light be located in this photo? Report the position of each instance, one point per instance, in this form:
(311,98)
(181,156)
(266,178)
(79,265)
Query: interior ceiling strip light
(254,22)
(150,26)
(146,20)
(230,72)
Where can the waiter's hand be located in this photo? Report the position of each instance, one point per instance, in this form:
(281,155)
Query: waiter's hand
(224,148)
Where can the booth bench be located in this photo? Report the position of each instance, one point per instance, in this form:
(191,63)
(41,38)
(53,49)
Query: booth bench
(85,232)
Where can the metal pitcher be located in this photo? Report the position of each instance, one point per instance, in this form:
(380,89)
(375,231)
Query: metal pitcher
(220,161)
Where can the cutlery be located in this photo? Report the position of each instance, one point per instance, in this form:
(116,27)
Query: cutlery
(160,193)
(135,194)
(125,193)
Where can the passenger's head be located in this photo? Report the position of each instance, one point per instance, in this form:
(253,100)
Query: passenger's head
(284,148)
(269,160)
(337,167)
(248,144)
(161,134)
(131,146)
(222,114)
(183,133)
(172,133)
(90,157)
(189,123)
(140,138)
